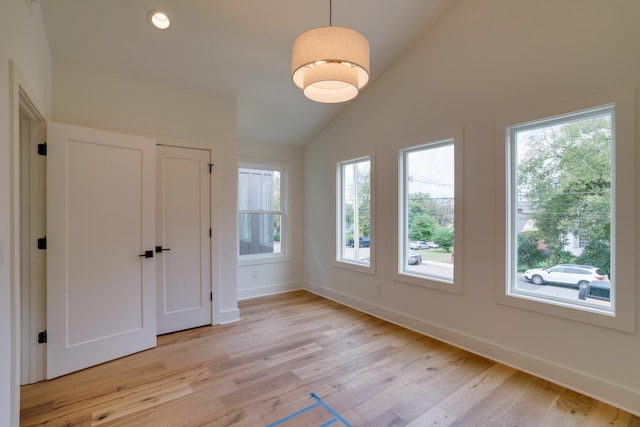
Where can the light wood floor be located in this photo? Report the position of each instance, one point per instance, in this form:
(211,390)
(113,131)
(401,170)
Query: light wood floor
(262,368)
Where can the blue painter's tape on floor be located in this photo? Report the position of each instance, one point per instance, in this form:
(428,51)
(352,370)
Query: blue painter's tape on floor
(319,402)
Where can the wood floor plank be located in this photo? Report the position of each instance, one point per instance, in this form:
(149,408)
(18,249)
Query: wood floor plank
(286,346)
(190,410)
(435,416)
(474,391)
(386,419)
(609,416)
(382,402)
(138,402)
(521,400)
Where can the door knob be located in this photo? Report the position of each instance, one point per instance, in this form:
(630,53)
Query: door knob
(147,254)
(161,249)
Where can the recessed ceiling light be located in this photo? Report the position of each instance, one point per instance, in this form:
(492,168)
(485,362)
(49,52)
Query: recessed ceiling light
(159,19)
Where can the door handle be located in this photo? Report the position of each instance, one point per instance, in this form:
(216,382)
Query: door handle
(160,249)
(147,254)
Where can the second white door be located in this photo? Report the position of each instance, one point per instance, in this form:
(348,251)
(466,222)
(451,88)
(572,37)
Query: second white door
(183,248)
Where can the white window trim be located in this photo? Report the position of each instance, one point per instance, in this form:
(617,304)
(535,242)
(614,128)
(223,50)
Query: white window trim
(285,227)
(402,276)
(338,261)
(623,229)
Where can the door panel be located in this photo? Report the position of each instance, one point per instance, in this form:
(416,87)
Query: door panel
(183,221)
(100,216)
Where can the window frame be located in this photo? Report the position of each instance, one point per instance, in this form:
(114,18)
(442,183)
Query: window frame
(400,275)
(621,316)
(285,232)
(338,260)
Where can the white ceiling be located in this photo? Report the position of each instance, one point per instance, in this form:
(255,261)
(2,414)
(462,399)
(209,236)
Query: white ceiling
(237,48)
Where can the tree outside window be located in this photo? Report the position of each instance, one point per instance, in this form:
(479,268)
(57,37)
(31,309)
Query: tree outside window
(354,211)
(428,188)
(563,194)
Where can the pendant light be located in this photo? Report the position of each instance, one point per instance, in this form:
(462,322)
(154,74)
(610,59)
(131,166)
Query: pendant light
(330,64)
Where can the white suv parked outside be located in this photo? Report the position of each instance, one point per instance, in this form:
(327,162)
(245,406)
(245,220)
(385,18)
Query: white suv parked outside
(566,274)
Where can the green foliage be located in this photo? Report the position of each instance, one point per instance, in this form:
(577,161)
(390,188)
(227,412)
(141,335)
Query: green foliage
(422,227)
(562,257)
(276,227)
(598,254)
(564,174)
(443,237)
(441,209)
(530,255)
(422,204)
(364,219)
(348,241)
(360,186)
(430,218)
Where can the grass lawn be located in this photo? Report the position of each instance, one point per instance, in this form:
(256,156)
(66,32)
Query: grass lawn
(437,255)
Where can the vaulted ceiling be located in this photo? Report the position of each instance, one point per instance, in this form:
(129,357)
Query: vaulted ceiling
(236,48)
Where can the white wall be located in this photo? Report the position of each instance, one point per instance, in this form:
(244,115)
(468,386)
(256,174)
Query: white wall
(97,98)
(486,59)
(24,59)
(286,275)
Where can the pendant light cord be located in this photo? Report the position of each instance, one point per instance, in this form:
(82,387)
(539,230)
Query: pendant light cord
(330,12)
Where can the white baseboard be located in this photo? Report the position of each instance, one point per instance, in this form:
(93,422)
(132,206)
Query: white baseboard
(605,391)
(269,290)
(228,316)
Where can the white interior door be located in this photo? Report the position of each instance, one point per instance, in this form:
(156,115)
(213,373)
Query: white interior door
(183,239)
(100,218)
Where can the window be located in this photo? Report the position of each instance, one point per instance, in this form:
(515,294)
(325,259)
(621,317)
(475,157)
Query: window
(354,216)
(261,212)
(562,176)
(428,189)
(583,242)
(567,195)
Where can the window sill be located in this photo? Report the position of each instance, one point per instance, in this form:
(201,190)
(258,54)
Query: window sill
(430,282)
(263,259)
(353,266)
(567,310)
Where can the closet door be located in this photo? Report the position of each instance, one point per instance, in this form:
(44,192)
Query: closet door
(183,241)
(100,247)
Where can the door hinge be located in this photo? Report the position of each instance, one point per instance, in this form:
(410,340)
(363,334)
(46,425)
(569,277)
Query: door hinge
(42,337)
(210,233)
(210,296)
(42,149)
(42,243)
(210,167)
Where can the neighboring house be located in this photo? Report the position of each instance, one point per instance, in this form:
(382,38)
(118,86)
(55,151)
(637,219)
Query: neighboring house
(255,195)
(575,245)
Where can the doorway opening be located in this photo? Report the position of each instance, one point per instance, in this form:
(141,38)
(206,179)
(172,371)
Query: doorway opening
(32,220)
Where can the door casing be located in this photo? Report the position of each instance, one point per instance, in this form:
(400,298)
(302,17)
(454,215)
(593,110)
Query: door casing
(32,131)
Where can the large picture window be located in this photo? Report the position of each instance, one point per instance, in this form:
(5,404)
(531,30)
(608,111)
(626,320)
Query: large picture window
(561,208)
(354,219)
(261,213)
(568,246)
(427,211)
